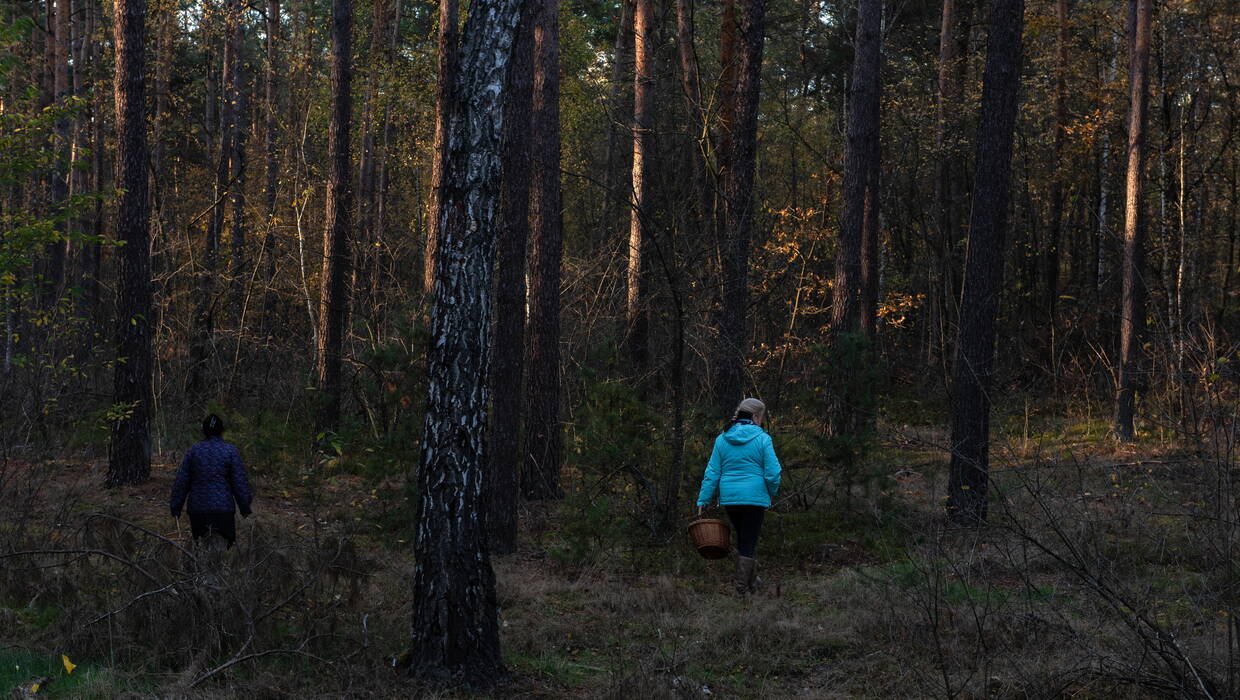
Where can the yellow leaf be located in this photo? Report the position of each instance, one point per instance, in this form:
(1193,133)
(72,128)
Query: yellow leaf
(69,665)
(34,688)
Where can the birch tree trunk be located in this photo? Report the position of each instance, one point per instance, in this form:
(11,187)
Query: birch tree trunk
(455,621)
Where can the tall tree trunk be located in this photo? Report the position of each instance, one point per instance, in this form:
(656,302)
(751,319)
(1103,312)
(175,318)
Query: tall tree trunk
(1132,309)
(696,115)
(272,163)
(540,472)
(740,135)
(239,127)
(639,218)
(1054,234)
(618,99)
(455,619)
(366,170)
(129,459)
(983,275)
(215,134)
(58,250)
(953,63)
(333,299)
(861,150)
(448,47)
(507,353)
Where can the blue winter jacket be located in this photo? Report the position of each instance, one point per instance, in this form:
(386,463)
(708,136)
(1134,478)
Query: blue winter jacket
(743,469)
(212,478)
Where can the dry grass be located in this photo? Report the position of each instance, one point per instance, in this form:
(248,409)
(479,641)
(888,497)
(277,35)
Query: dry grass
(1101,574)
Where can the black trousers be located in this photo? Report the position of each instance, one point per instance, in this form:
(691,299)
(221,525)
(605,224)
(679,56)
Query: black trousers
(747,521)
(222,524)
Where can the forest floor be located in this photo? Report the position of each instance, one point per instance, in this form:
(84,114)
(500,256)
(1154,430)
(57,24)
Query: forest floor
(1102,571)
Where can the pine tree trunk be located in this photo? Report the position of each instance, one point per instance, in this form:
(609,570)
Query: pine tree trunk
(448,47)
(1054,234)
(983,275)
(239,126)
(861,150)
(333,299)
(639,216)
(129,459)
(618,103)
(696,116)
(953,64)
(540,472)
(271,164)
(58,250)
(455,619)
(366,169)
(1132,308)
(507,353)
(739,134)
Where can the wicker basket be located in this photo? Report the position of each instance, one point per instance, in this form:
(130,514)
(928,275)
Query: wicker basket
(712,537)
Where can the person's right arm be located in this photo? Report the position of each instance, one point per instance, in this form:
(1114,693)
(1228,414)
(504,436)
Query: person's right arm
(710,481)
(180,487)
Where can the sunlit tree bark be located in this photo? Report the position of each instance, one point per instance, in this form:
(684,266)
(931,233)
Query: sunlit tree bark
(334,303)
(448,48)
(1132,304)
(639,215)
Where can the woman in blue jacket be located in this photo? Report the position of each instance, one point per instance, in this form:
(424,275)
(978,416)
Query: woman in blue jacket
(743,476)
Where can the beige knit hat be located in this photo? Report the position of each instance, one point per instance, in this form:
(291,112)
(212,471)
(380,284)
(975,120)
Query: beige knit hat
(754,407)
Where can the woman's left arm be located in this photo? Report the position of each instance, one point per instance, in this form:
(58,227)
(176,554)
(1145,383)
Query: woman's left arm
(240,484)
(771,468)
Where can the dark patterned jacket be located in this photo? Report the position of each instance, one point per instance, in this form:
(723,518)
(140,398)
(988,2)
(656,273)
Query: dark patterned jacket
(212,477)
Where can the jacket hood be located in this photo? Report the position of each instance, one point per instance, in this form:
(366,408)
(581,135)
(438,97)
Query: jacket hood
(741,433)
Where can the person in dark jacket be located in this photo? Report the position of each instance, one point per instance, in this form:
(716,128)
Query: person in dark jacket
(212,484)
(743,475)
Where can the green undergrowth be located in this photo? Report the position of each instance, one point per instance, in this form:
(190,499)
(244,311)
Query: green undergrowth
(21,668)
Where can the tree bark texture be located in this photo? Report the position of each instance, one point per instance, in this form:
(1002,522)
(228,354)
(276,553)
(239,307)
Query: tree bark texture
(271,161)
(507,353)
(618,99)
(540,473)
(636,313)
(448,48)
(129,456)
(1054,234)
(740,134)
(860,154)
(983,276)
(455,621)
(1132,304)
(58,250)
(239,126)
(334,302)
(948,181)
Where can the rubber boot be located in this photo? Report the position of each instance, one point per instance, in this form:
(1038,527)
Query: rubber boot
(744,575)
(754,582)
